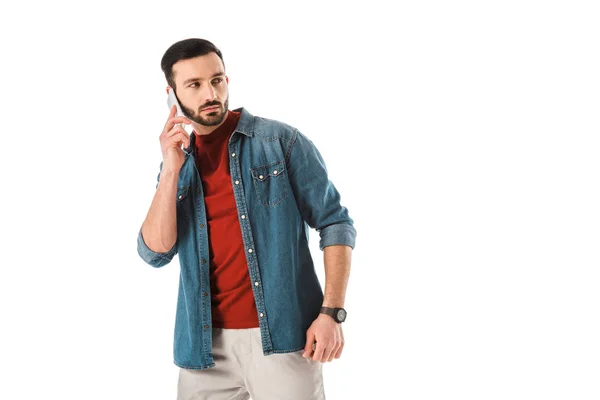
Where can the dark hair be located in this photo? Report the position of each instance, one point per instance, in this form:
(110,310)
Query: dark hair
(183,50)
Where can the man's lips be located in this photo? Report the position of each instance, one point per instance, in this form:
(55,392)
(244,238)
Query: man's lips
(209,109)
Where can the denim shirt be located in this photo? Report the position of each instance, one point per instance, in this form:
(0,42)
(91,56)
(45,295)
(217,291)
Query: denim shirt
(281,187)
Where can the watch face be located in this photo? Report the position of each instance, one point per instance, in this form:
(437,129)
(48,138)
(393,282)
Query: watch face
(341,315)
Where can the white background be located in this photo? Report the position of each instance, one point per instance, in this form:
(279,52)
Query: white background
(463,137)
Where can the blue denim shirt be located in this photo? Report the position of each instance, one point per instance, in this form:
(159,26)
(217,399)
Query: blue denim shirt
(281,187)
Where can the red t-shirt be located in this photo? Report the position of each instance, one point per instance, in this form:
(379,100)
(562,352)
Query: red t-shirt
(232,299)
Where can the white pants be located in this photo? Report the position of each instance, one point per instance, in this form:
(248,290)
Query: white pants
(242,372)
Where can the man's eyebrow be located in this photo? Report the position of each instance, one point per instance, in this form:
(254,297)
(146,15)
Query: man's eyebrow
(190,80)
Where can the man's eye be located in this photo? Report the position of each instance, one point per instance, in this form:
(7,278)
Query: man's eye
(195,83)
(218,80)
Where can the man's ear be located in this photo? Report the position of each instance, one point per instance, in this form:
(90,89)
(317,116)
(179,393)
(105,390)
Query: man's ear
(168,89)
(227,79)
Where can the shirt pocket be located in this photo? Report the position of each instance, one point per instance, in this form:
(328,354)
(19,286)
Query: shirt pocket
(270,183)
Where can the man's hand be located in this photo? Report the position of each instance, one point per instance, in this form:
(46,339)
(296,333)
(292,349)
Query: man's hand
(171,139)
(329,337)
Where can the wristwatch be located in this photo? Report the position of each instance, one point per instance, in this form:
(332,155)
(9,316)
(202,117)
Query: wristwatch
(338,314)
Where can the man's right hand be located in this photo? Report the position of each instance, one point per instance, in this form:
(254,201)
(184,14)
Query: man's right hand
(172,138)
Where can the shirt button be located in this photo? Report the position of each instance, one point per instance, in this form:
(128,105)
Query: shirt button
(237,182)
(203,261)
(255,283)
(180,197)
(206,326)
(201,225)
(275,172)
(249,250)
(243,217)
(232,154)
(205,294)
(262,315)
(197,191)
(260,177)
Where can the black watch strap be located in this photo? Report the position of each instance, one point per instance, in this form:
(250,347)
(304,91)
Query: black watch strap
(338,314)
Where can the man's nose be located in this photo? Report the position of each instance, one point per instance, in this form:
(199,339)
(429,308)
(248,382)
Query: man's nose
(209,94)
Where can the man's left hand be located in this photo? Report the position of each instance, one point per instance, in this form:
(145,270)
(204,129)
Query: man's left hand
(329,337)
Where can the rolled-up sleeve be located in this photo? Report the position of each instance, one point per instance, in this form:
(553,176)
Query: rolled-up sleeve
(337,234)
(317,198)
(154,258)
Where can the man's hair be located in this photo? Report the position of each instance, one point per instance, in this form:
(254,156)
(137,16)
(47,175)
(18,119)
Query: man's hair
(183,50)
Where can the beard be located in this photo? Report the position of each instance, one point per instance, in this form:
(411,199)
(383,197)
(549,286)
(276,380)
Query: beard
(207,119)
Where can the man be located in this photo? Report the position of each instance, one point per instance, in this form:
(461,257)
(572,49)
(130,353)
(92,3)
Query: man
(236,203)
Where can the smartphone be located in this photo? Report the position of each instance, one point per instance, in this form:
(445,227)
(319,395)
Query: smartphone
(172,100)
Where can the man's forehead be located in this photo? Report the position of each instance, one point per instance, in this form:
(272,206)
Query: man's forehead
(203,67)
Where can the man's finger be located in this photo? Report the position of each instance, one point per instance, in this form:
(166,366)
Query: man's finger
(172,113)
(338,353)
(329,354)
(318,356)
(308,347)
(181,120)
(175,130)
(181,139)
(334,351)
(172,120)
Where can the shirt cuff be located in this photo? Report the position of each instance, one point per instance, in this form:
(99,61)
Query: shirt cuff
(155,259)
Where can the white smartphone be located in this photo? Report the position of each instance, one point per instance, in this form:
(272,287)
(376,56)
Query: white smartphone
(172,100)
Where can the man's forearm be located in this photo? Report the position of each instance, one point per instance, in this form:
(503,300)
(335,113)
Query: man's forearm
(159,229)
(337,259)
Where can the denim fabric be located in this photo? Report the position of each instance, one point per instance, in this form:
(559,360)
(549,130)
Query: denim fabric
(281,188)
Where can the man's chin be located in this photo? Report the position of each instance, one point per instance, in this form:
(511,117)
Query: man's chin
(212,120)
